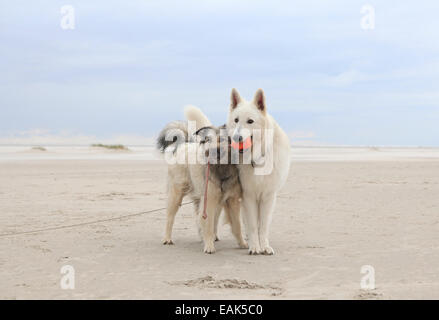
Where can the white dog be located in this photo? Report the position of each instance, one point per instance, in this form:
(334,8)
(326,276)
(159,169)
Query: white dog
(259,189)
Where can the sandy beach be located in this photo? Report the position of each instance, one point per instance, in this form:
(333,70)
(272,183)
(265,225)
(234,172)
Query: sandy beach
(340,209)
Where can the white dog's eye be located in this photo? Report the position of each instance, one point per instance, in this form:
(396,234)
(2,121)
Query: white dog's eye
(250,121)
(236,120)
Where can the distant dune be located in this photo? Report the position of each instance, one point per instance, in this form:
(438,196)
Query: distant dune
(111,147)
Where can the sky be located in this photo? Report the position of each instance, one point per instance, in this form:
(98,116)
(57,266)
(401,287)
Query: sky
(128,67)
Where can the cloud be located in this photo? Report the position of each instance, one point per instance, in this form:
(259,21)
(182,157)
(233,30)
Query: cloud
(129,67)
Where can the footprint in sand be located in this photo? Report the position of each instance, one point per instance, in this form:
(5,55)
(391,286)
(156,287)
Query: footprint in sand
(368,295)
(211,282)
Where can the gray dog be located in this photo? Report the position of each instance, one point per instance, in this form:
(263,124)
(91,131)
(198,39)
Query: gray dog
(187,177)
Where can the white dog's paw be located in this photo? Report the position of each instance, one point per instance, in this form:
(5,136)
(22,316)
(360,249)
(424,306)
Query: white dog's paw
(167,242)
(254,249)
(268,251)
(209,248)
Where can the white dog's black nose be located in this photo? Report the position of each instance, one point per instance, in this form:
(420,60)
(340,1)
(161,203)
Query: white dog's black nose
(237,138)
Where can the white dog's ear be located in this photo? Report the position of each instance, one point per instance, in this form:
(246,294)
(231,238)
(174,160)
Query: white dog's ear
(235,99)
(259,100)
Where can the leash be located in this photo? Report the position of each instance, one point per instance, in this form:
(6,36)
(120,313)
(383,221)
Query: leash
(205,190)
(85,223)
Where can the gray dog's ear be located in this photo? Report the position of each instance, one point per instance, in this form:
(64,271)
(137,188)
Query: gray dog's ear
(259,100)
(200,131)
(203,133)
(235,99)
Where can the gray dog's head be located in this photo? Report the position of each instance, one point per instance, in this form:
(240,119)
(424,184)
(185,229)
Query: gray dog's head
(214,142)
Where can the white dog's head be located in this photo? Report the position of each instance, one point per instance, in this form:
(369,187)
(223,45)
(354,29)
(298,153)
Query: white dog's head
(244,118)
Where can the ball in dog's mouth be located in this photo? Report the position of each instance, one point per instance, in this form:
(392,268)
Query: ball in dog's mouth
(243,145)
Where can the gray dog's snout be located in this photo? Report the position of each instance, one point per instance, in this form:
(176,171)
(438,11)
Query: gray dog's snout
(237,138)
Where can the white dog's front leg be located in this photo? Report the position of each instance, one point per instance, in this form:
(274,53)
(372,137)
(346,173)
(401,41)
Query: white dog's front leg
(250,217)
(266,208)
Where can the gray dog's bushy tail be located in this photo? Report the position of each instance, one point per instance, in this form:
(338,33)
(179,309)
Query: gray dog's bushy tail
(173,134)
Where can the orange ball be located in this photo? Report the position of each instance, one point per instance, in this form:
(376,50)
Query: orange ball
(246,144)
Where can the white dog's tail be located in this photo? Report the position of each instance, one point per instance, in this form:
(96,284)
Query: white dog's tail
(192,113)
